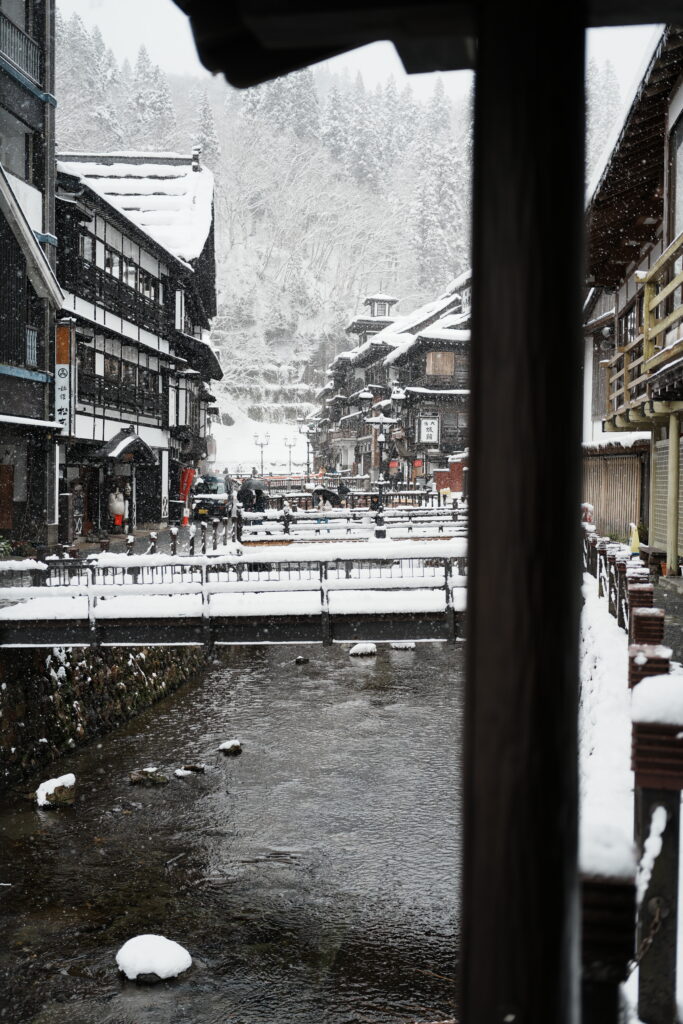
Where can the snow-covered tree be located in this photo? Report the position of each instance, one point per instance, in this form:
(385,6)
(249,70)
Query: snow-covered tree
(153,118)
(207,136)
(604,107)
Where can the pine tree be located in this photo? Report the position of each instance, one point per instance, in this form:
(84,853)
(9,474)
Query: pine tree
(207,136)
(106,78)
(334,128)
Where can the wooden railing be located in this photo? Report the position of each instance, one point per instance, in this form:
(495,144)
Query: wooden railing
(660,336)
(20,48)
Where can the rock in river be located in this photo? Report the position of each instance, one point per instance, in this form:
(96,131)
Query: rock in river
(56,792)
(231,748)
(151,958)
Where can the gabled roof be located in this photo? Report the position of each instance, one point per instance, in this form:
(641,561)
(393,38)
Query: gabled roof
(159,192)
(625,203)
(39,271)
(127,442)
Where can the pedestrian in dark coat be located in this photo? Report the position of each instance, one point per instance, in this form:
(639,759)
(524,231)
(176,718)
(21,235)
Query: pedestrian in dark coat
(246,496)
(260,504)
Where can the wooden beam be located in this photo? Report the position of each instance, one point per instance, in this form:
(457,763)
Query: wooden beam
(519,937)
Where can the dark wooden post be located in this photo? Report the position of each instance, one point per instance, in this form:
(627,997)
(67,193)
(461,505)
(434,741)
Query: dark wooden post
(602,566)
(202,527)
(130,544)
(173,532)
(214,543)
(612,582)
(608,908)
(520,910)
(658,766)
(640,595)
(152,543)
(226,521)
(193,533)
(622,596)
(647,625)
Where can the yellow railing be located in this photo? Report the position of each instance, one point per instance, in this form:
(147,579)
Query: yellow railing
(629,369)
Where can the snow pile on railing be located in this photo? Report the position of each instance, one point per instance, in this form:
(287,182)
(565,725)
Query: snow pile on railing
(606,846)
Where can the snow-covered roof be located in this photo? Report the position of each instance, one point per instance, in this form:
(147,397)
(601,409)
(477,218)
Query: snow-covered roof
(380,297)
(458,282)
(159,192)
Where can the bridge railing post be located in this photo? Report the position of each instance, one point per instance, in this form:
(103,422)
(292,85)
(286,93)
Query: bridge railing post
(130,544)
(225,531)
(202,527)
(152,543)
(450,610)
(193,533)
(173,532)
(214,544)
(325,605)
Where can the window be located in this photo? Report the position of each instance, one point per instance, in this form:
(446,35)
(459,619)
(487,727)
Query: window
(112,367)
(14,149)
(85,357)
(676,179)
(148,285)
(440,364)
(112,262)
(129,373)
(129,272)
(381,309)
(86,247)
(628,325)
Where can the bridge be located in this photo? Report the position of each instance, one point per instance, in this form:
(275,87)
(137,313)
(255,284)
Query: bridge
(329,592)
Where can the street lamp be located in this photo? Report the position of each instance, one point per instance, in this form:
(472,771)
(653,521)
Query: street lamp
(262,444)
(378,423)
(290,442)
(307,429)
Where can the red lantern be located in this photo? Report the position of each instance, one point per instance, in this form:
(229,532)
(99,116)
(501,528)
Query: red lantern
(417,463)
(393,463)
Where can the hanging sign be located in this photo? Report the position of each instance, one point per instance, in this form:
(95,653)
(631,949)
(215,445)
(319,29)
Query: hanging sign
(393,464)
(429,430)
(64,392)
(417,463)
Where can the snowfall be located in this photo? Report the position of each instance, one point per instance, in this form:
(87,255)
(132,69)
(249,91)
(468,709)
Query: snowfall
(607,710)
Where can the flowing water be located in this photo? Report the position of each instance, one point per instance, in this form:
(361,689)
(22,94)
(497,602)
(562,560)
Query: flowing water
(313,879)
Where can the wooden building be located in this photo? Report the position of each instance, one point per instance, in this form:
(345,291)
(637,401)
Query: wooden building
(29,293)
(635,228)
(414,370)
(136,262)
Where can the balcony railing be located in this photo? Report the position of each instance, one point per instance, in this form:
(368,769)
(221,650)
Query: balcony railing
(116,394)
(660,336)
(24,53)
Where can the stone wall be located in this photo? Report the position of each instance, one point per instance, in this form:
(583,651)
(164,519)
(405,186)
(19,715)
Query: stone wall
(54,700)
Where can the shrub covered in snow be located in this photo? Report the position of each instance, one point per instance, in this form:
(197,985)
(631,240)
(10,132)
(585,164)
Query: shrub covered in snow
(152,955)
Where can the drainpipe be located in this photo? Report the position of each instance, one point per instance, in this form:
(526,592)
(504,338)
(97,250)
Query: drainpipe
(672,496)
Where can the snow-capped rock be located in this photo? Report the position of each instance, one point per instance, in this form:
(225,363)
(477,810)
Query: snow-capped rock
(152,958)
(231,748)
(148,777)
(403,645)
(58,791)
(363,650)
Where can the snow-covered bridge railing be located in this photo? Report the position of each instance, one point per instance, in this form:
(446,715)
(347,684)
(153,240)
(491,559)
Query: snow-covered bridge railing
(402,590)
(422,497)
(335,523)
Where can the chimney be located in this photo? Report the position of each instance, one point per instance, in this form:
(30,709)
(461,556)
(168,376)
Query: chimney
(195,158)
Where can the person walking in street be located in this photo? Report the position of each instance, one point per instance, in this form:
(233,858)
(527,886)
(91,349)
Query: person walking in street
(246,497)
(260,502)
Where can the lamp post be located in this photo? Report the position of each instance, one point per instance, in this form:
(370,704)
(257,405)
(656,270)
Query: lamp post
(290,443)
(262,444)
(308,430)
(378,423)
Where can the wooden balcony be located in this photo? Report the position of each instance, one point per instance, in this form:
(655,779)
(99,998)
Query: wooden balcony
(659,340)
(21,50)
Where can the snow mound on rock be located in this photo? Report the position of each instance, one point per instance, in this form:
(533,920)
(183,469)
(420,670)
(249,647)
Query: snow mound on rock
(363,649)
(403,645)
(152,954)
(46,789)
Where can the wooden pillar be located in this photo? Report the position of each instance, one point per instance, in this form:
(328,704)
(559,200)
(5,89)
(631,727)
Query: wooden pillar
(673,473)
(520,921)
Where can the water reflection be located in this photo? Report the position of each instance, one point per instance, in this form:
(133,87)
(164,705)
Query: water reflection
(313,878)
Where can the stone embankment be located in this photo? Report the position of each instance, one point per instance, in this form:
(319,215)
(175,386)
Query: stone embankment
(52,702)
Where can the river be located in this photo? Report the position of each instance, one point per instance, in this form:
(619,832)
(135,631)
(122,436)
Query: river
(313,879)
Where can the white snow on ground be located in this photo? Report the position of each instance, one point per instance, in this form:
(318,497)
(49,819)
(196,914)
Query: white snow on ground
(46,789)
(605,776)
(152,954)
(237,452)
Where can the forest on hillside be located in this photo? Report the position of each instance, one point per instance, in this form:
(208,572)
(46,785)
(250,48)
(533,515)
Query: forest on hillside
(325,191)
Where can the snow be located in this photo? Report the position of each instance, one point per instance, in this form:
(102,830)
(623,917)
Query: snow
(26,421)
(361,602)
(403,645)
(46,789)
(21,565)
(181,773)
(659,699)
(606,782)
(231,745)
(152,954)
(362,650)
(168,201)
(236,451)
(652,847)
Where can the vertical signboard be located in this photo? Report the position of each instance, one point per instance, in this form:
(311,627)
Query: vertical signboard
(64,391)
(429,430)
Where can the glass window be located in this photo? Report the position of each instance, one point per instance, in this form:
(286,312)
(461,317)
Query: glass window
(85,357)
(129,273)
(129,373)
(86,247)
(112,262)
(112,367)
